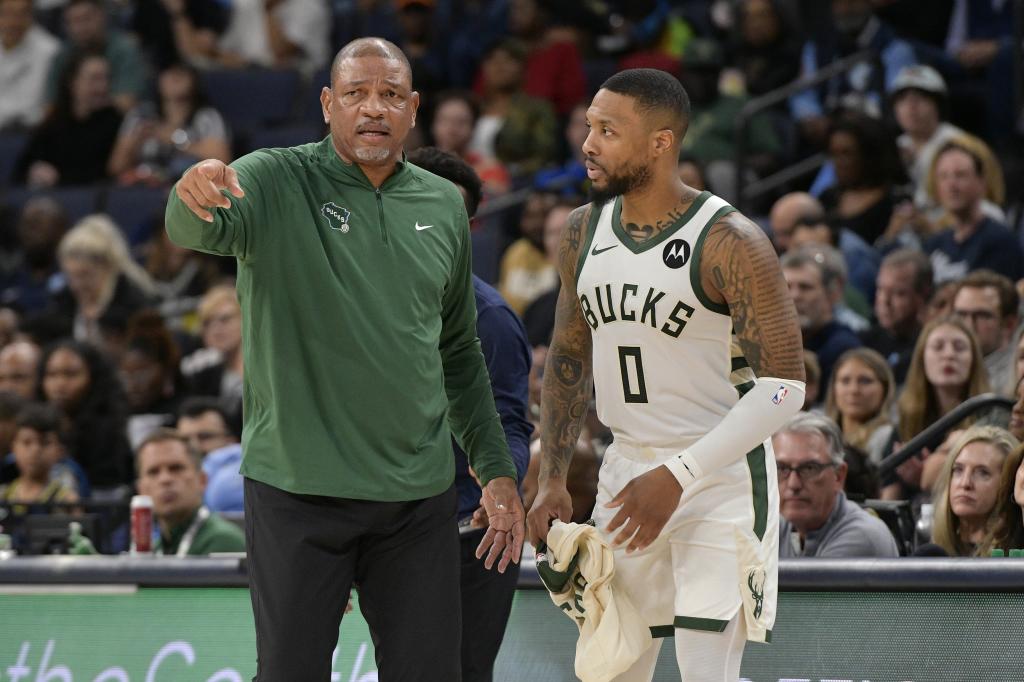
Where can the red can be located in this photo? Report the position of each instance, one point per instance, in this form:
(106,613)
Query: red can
(142,524)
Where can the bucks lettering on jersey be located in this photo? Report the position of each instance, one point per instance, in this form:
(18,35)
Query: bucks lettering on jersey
(666,368)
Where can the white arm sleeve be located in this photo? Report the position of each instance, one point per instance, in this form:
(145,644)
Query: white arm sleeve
(751,421)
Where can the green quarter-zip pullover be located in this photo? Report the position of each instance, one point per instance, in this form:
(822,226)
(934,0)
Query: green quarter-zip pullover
(358,326)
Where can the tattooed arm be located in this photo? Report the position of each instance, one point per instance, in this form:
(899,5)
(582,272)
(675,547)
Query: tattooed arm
(566,391)
(740,268)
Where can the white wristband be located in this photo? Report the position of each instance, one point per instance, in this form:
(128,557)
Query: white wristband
(751,421)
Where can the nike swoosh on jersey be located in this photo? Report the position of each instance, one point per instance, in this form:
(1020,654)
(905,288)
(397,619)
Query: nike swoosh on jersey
(422,227)
(595,250)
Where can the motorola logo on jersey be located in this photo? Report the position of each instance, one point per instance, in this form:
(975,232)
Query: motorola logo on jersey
(676,253)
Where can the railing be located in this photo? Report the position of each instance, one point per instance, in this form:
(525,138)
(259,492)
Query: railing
(933,436)
(746,194)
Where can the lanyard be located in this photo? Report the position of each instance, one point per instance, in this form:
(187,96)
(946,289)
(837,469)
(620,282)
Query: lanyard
(190,534)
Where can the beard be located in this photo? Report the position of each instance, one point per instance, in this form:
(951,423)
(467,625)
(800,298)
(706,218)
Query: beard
(631,179)
(372,154)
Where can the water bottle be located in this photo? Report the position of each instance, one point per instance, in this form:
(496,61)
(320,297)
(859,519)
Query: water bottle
(5,547)
(924,524)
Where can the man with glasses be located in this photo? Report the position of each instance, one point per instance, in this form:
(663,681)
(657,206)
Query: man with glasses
(987,302)
(205,424)
(817,519)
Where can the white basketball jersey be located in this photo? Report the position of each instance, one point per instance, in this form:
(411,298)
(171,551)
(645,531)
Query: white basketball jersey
(666,369)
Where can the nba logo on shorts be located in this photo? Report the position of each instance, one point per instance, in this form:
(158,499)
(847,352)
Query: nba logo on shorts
(780,395)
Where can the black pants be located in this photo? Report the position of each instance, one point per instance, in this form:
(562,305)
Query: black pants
(486,604)
(305,552)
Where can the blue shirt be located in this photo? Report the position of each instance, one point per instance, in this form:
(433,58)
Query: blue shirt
(223,482)
(992,246)
(828,343)
(508,358)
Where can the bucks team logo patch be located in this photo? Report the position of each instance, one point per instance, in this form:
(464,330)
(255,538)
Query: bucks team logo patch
(676,253)
(337,217)
(755,584)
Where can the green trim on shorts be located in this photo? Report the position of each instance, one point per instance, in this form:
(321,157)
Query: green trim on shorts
(768,637)
(759,488)
(705,624)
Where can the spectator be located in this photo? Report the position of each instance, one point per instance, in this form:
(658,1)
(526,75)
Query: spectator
(1008,529)
(994,191)
(946,369)
(1018,368)
(902,291)
(859,260)
(276,33)
(817,519)
(987,302)
(692,173)
(207,427)
(966,490)
(861,399)
(180,277)
(88,30)
(517,129)
(19,369)
(72,144)
(1016,425)
(569,179)
(525,271)
(44,423)
(26,52)
(37,450)
(941,302)
(104,285)
(455,117)
(169,472)
(539,317)
(173,31)
(41,228)
(11,405)
(975,240)
(216,368)
(766,50)
(156,144)
(416,23)
(816,288)
(812,370)
(853,29)
(149,373)
(79,381)
(868,171)
(554,65)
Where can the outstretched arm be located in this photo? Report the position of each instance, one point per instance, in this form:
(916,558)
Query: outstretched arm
(566,390)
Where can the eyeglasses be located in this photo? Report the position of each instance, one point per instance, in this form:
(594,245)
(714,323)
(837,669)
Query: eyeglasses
(808,471)
(975,315)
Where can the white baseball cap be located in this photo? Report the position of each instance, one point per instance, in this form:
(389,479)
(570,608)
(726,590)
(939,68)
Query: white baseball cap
(919,77)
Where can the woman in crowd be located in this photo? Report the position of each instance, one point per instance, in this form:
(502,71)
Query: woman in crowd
(455,116)
(72,144)
(860,399)
(1008,529)
(216,369)
(868,171)
(150,375)
(967,491)
(157,142)
(79,381)
(105,286)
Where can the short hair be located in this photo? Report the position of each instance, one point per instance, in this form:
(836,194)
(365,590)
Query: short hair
(215,296)
(41,418)
(826,259)
(654,90)
(370,46)
(167,435)
(813,423)
(924,274)
(1009,299)
(453,169)
(958,145)
(196,406)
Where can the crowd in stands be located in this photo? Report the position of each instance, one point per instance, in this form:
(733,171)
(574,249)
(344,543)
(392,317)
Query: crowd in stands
(899,233)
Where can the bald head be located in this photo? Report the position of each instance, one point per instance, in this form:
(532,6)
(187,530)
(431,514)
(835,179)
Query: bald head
(371,47)
(788,211)
(19,364)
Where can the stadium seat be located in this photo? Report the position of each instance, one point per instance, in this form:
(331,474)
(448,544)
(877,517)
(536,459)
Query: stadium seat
(78,202)
(136,210)
(309,104)
(11,145)
(248,98)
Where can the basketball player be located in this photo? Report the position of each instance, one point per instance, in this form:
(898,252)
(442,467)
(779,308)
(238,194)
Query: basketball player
(678,304)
